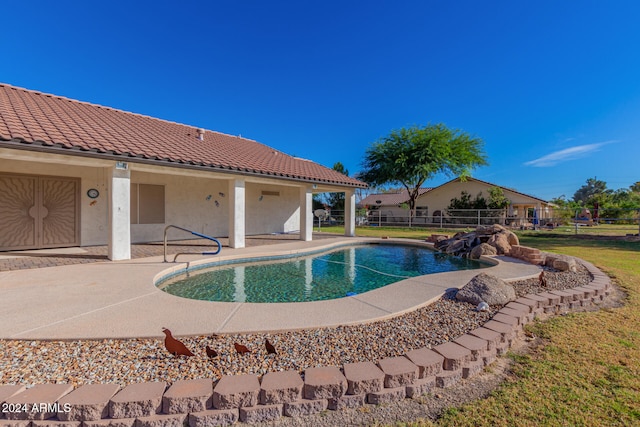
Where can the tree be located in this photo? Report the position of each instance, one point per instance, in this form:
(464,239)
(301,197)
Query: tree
(336,200)
(411,156)
(586,194)
(497,199)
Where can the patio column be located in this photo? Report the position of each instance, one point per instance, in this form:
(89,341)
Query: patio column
(236,213)
(119,242)
(306,214)
(350,213)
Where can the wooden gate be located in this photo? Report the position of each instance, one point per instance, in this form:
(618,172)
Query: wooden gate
(38,212)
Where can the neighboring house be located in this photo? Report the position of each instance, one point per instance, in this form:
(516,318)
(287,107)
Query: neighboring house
(432,203)
(394,207)
(79,174)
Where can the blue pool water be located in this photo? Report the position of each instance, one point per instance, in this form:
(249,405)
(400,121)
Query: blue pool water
(328,275)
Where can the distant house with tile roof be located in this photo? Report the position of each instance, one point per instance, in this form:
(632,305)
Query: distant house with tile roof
(432,203)
(78,174)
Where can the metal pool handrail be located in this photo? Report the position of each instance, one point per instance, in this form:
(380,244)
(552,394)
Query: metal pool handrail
(204,236)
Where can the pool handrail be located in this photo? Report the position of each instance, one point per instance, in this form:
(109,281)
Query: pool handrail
(204,236)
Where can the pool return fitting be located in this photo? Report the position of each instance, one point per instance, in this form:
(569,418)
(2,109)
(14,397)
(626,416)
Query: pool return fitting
(204,236)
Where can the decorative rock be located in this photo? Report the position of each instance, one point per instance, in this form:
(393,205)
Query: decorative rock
(560,262)
(235,391)
(487,288)
(512,238)
(323,383)
(137,400)
(483,306)
(484,230)
(482,249)
(188,396)
(363,377)
(87,403)
(565,265)
(434,238)
(281,387)
(501,243)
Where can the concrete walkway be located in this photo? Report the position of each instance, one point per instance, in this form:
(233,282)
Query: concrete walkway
(119,299)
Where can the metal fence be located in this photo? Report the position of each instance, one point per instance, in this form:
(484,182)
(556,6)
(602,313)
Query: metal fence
(618,222)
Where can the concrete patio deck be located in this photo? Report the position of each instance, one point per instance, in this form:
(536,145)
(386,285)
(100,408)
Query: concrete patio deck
(106,299)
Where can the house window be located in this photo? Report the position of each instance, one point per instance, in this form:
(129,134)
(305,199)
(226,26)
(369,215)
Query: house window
(147,204)
(422,211)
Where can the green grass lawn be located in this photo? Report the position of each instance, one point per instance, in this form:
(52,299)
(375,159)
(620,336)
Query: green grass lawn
(587,373)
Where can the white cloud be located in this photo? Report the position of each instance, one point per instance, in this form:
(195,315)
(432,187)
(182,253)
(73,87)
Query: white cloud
(565,155)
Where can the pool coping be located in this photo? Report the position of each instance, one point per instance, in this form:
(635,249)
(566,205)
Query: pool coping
(119,299)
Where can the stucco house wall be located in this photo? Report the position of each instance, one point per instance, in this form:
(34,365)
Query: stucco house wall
(199,203)
(93,216)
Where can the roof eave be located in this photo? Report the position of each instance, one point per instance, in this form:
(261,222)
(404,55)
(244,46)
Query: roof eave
(44,147)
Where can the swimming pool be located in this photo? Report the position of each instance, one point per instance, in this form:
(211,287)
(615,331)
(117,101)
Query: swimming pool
(328,275)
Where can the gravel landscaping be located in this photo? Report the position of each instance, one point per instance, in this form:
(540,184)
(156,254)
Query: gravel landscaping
(128,361)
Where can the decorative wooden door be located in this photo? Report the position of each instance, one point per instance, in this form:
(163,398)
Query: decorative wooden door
(38,212)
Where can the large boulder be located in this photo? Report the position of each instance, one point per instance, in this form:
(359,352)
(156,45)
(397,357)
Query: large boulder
(463,243)
(512,238)
(487,288)
(489,229)
(500,241)
(561,262)
(482,249)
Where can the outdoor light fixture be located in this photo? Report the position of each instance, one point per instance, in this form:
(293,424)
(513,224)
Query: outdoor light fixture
(122,166)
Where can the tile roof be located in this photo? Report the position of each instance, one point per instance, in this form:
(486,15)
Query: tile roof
(389,199)
(52,123)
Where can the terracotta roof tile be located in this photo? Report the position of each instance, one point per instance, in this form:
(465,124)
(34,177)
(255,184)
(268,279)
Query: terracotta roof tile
(390,199)
(31,117)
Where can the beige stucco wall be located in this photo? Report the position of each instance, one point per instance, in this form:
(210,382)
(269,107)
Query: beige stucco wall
(93,216)
(189,203)
(440,197)
(272,213)
(194,200)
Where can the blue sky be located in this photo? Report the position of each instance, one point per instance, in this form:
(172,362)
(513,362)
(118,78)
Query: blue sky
(551,87)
